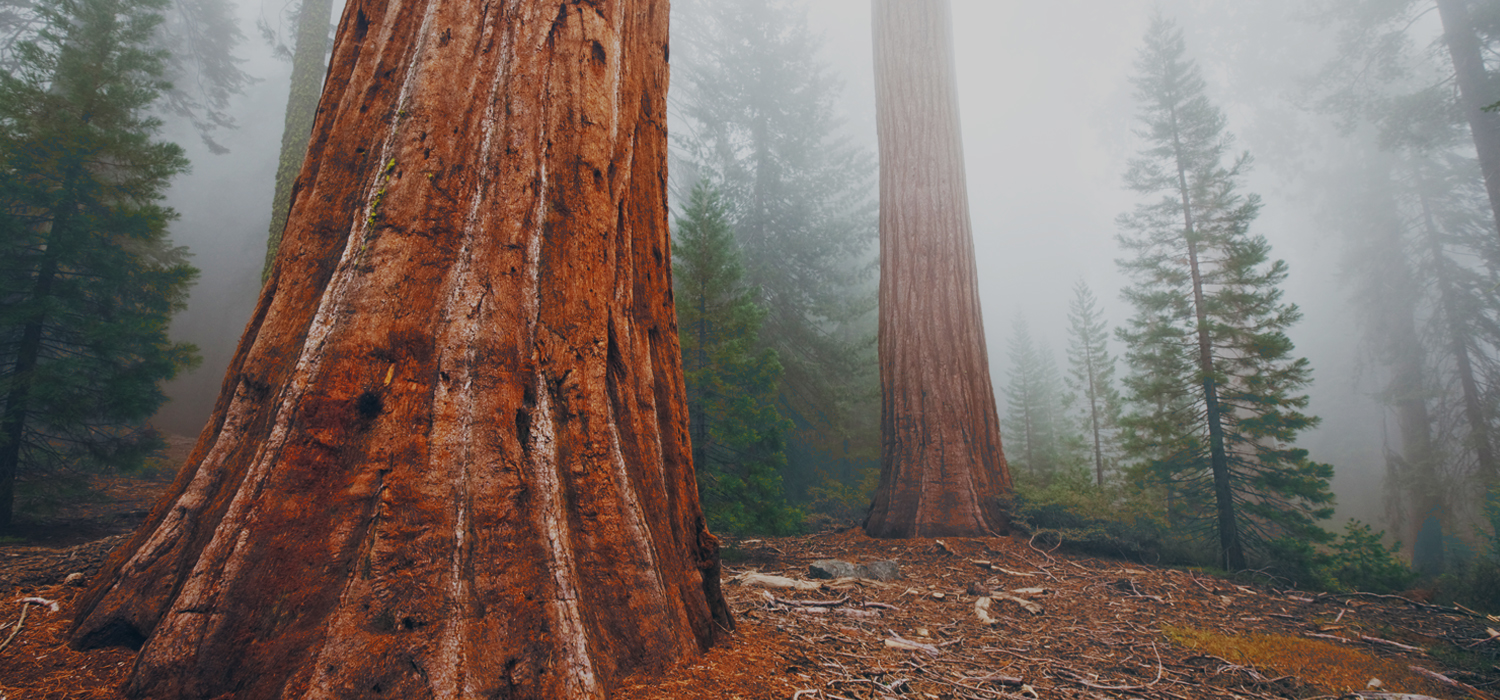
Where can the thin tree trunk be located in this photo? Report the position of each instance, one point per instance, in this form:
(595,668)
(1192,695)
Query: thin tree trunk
(1458,339)
(1407,389)
(941,469)
(1394,300)
(1094,420)
(450,458)
(18,399)
(1229,534)
(301,106)
(1476,91)
(29,350)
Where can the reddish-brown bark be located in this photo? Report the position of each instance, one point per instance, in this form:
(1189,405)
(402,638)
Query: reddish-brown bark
(450,458)
(941,467)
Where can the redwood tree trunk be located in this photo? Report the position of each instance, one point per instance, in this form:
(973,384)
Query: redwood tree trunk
(941,467)
(450,458)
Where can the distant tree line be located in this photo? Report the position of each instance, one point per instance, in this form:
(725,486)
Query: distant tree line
(760,151)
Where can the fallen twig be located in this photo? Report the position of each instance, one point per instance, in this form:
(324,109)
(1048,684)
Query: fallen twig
(995,678)
(755,578)
(26,603)
(1458,610)
(1096,686)
(1027,605)
(1048,554)
(1398,645)
(1440,678)
(898,642)
(1493,636)
(812,603)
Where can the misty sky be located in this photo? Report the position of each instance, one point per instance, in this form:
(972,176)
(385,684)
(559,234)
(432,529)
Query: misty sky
(1047,115)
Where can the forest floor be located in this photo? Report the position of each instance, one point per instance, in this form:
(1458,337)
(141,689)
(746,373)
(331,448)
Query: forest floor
(1061,625)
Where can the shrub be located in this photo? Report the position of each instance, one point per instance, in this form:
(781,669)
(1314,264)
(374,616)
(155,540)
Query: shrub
(1086,517)
(1354,561)
(1361,562)
(1474,583)
(835,502)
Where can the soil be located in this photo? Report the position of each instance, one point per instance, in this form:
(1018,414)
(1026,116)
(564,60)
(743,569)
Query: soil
(1097,628)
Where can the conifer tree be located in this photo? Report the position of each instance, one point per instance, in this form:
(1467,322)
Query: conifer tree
(1217,392)
(732,380)
(1033,399)
(1091,380)
(758,106)
(88,280)
(197,39)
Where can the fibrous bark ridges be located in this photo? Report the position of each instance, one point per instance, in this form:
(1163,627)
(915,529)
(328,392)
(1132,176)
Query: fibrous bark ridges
(451,457)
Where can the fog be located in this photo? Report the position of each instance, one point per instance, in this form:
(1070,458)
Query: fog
(1047,115)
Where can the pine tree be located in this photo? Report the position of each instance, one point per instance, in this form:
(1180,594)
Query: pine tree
(198,38)
(88,280)
(1033,421)
(731,380)
(1215,387)
(759,121)
(1091,380)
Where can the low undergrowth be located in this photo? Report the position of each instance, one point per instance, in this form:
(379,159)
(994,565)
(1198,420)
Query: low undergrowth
(1114,520)
(1327,666)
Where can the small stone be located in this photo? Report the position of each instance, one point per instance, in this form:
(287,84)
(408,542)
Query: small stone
(832,568)
(1374,684)
(938,595)
(879,570)
(922,632)
(74,579)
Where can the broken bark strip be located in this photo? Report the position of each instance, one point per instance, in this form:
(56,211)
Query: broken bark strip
(461,389)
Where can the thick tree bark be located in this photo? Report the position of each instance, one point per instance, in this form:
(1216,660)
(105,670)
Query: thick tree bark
(451,457)
(941,468)
(1476,91)
(301,107)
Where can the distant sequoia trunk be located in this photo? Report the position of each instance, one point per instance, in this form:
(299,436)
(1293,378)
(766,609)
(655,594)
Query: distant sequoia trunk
(311,42)
(941,467)
(451,456)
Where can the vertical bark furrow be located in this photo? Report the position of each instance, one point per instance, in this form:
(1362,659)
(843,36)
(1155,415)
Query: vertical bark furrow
(470,332)
(572,639)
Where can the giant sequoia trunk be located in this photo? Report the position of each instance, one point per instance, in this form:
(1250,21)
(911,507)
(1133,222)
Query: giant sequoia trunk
(450,458)
(941,467)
